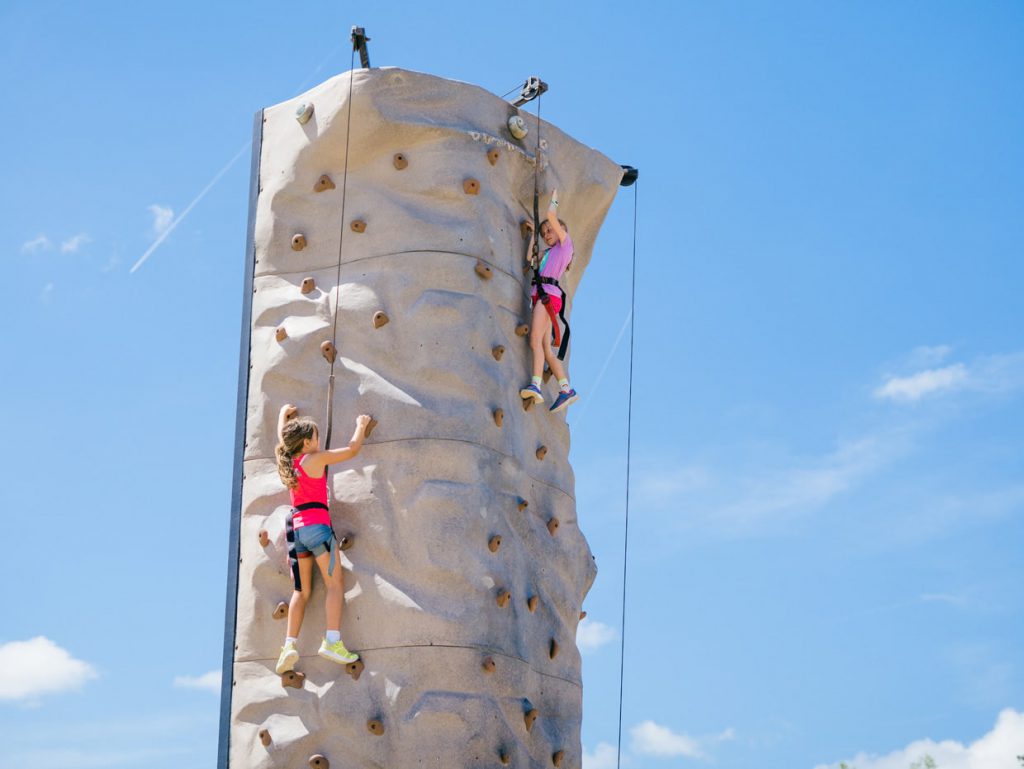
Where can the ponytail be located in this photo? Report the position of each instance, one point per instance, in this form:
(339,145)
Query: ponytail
(293,435)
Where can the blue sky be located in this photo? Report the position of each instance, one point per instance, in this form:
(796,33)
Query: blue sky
(828,496)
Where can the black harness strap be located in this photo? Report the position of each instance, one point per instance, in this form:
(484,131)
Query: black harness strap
(289,535)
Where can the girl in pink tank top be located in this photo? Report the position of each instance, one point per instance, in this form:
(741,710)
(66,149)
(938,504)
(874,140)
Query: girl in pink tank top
(302,466)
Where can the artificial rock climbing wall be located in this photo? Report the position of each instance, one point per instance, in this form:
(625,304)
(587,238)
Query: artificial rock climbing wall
(467,568)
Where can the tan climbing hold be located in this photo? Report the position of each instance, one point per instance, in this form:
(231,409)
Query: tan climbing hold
(553,649)
(498,351)
(505,757)
(522,329)
(264,538)
(493,155)
(529,717)
(400,161)
(308,284)
(547,374)
(358,225)
(499,417)
(317,761)
(542,452)
(583,615)
(503,598)
(380,318)
(523,504)
(489,665)
(323,183)
(265,737)
(355,669)
(471,186)
(328,350)
(346,541)
(298,241)
(369,427)
(527,404)
(524,229)
(304,112)
(557,756)
(552,526)
(280,334)
(293,678)
(483,270)
(494,543)
(375,726)
(281,610)
(532,602)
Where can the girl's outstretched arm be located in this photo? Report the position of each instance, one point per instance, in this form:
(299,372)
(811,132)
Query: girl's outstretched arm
(529,244)
(288,411)
(321,459)
(556,225)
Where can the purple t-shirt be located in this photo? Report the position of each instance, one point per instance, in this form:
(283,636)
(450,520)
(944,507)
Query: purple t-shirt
(554,262)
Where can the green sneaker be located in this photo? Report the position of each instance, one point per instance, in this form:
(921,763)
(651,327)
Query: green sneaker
(336,652)
(289,656)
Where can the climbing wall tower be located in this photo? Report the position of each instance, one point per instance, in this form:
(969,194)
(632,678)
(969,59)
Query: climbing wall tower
(467,569)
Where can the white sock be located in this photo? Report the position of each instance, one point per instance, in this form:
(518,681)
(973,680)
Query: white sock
(537,380)
(563,385)
(290,640)
(333,636)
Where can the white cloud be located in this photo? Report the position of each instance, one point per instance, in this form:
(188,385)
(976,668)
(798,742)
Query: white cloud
(38,666)
(207,681)
(925,356)
(603,757)
(72,244)
(162,218)
(651,739)
(916,386)
(998,749)
(41,243)
(591,635)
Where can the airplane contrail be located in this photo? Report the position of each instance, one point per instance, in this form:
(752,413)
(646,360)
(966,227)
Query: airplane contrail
(604,368)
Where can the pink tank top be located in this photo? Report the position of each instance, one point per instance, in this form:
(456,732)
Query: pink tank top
(309,490)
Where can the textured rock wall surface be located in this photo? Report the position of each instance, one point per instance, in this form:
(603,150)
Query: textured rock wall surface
(439,477)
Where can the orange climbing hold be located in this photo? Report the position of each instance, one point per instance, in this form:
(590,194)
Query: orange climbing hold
(293,678)
(323,183)
(265,737)
(308,284)
(281,334)
(483,270)
(380,318)
(489,665)
(552,526)
(553,649)
(400,161)
(505,757)
(298,241)
(346,541)
(264,538)
(499,417)
(369,427)
(523,504)
(557,756)
(494,543)
(542,452)
(493,155)
(524,229)
(376,726)
(358,225)
(528,403)
(328,350)
(281,610)
(355,669)
(471,186)
(522,329)
(498,351)
(583,615)
(531,603)
(529,717)
(503,598)
(317,761)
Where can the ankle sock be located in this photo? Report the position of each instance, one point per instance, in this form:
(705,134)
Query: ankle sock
(333,636)
(290,640)
(537,380)
(563,385)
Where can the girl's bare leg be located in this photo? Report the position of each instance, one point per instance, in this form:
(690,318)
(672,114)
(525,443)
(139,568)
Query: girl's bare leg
(540,335)
(335,588)
(297,606)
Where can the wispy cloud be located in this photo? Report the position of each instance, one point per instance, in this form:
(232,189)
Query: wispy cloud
(929,382)
(40,243)
(652,739)
(927,356)
(209,682)
(162,218)
(38,666)
(997,749)
(592,635)
(603,757)
(985,374)
(72,244)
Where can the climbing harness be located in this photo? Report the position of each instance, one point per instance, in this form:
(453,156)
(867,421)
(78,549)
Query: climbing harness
(289,534)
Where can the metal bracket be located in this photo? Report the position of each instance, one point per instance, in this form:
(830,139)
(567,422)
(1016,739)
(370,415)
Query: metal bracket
(532,88)
(359,41)
(629,176)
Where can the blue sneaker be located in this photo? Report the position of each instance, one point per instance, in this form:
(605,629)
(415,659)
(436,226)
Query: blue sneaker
(564,399)
(532,391)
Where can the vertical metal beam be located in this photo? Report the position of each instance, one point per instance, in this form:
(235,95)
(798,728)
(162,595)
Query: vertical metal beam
(241,408)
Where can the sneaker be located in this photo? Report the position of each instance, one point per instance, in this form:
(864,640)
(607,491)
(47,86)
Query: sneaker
(564,399)
(289,656)
(336,652)
(532,391)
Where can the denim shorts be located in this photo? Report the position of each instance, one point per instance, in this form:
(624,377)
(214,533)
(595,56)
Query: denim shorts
(312,540)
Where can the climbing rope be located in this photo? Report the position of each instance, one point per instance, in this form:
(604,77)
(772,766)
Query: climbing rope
(629,436)
(341,241)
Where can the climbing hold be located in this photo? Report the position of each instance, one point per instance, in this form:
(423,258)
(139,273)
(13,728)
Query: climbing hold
(400,161)
(369,427)
(293,678)
(316,761)
(531,603)
(346,541)
(522,329)
(552,526)
(471,186)
(355,669)
(328,350)
(281,610)
(489,665)
(264,538)
(493,155)
(529,717)
(542,452)
(281,334)
(380,318)
(483,270)
(547,374)
(527,404)
(583,614)
(497,352)
(308,284)
(503,598)
(375,726)
(553,649)
(323,183)
(499,417)
(358,225)
(265,737)
(557,756)
(524,230)
(517,127)
(523,504)
(298,241)
(494,543)
(505,757)
(303,113)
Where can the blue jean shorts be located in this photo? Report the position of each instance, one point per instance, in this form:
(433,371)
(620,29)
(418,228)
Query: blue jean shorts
(312,540)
